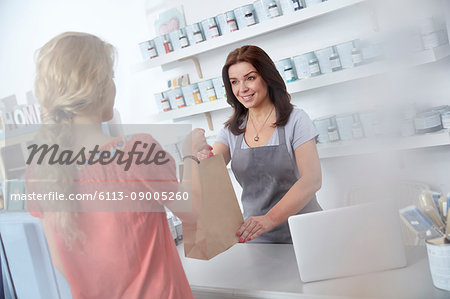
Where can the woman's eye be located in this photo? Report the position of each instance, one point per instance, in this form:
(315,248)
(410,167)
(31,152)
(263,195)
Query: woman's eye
(234,82)
(251,78)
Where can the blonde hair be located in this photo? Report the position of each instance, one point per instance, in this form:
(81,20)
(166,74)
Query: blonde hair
(72,72)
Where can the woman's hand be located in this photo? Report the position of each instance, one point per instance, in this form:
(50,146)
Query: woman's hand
(195,142)
(205,153)
(253,227)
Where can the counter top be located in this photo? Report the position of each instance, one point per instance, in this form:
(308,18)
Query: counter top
(270,271)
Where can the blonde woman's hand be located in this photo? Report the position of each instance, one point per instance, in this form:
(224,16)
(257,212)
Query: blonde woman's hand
(205,153)
(253,227)
(195,142)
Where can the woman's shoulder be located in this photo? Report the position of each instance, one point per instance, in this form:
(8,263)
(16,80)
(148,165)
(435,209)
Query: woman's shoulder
(298,115)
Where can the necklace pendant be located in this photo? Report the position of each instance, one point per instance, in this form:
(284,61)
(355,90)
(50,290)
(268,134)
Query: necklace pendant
(256,138)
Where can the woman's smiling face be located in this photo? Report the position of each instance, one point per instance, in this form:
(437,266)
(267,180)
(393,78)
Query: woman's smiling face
(248,86)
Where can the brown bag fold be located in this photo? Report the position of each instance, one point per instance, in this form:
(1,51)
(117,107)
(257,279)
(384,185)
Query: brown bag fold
(220,216)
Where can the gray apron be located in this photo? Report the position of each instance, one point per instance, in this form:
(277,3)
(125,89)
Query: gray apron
(266,174)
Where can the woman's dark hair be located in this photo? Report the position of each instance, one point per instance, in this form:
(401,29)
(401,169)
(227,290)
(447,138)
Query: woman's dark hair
(269,73)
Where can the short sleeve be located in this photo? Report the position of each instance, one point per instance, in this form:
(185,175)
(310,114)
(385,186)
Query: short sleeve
(304,129)
(223,136)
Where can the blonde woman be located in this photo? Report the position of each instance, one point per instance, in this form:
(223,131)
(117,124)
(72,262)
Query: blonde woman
(103,254)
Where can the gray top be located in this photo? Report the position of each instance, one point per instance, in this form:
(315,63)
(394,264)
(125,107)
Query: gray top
(299,129)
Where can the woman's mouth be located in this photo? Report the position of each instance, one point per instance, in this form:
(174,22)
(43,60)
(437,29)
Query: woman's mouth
(248,97)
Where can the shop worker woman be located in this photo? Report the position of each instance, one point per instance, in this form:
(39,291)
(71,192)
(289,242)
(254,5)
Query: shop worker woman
(103,254)
(271,146)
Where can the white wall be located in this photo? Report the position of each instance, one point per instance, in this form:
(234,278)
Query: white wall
(25,25)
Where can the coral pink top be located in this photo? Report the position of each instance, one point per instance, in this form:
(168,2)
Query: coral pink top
(123,254)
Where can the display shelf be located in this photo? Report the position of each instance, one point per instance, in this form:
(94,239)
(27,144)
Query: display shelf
(248,32)
(371,146)
(363,71)
(368,70)
(190,110)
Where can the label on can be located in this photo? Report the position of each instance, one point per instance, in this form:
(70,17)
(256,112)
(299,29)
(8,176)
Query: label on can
(357,58)
(314,69)
(273,11)
(213,31)
(184,41)
(289,74)
(180,101)
(211,94)
(198,37)
(197,96)
(250,19)
(168,47)
(232,25)
(165,105)
(335,63)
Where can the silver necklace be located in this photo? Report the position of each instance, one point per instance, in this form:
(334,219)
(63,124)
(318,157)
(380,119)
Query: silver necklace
(256,138)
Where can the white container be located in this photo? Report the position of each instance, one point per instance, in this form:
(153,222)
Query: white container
(344,123)
(312,2)
(204,87)
(227,22)
(241,19)
(301,64)
(322,125)
(345,54)
(439,261)
(219,88)
(210,28)
(282,65)
(195,34)
(188,94)
(446,120)
(148,49)
(323,55)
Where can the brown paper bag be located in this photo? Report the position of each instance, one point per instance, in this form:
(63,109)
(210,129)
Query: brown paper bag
(220,216)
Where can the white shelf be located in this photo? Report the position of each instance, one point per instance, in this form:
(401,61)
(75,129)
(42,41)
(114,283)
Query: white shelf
(344,75)
(267,26)
(369,146)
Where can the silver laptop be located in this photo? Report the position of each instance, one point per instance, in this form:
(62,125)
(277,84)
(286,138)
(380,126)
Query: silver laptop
(347,241)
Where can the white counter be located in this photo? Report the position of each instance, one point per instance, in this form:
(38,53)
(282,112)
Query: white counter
(270,271)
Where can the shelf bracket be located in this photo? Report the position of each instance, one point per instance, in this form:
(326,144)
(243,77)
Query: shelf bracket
(210,123)
(196,63)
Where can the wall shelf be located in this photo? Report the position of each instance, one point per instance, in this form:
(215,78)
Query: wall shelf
(370,146)
(363,71)
(248,32)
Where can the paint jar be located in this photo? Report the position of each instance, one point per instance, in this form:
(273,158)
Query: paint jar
(231,21)
(289,73)
(314,67)
(301,63)
(162,101)
(179,99)
(197,96)
(219,87)
(273,10)
(249,18)
(335,62)
(312,2)
(211,93)
(357,129)
(167,44)
(344,50)
(190,95)
(446,120)
(297,5)
(245,16)
(323,55)
(322,125)
(182,38)
(211,29)
(427,122)
(333,134)
(344,123)
(196,34)
(439,260)
(356,56)
(148,49)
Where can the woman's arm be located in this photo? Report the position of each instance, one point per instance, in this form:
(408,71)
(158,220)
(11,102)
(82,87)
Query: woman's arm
(294,200)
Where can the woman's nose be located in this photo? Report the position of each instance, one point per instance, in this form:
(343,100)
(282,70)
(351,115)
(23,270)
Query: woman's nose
(243,87)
